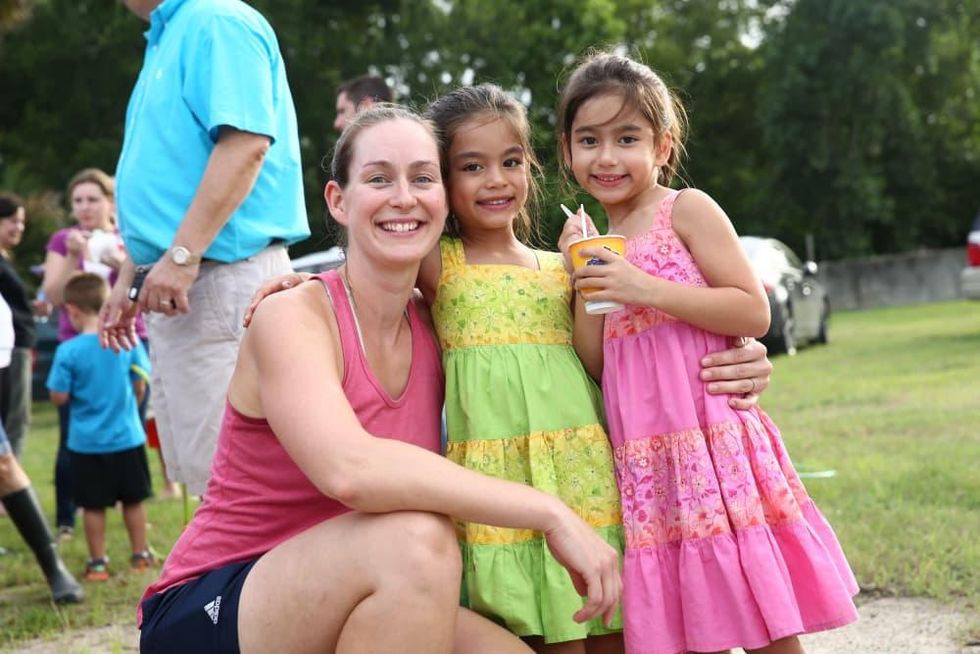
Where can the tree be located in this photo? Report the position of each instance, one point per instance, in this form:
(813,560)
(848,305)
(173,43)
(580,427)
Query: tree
(862,129)
(856,121)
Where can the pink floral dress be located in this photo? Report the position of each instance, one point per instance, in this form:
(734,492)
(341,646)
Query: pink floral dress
(724,548)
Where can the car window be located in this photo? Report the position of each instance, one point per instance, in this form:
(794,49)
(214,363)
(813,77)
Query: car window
(788,255)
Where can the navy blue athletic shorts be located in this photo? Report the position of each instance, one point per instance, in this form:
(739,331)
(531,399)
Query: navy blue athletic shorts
(198,616)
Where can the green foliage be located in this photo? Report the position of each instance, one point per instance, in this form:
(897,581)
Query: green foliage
(855,121)
(871,125)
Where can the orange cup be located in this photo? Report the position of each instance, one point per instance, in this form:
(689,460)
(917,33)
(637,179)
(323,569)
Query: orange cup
(613,242)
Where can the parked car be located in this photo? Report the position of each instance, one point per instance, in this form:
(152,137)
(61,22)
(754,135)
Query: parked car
(798,301)
(319,261)
(970,277)
(47,341)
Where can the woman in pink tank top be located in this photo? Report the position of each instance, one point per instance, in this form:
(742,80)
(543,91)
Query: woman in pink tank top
(325,524)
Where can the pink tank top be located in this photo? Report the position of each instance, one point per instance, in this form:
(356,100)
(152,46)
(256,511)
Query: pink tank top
(257,497)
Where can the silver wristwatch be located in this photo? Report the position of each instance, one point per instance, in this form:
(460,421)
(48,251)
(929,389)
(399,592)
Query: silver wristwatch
(181,256)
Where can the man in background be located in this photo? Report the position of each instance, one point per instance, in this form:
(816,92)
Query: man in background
(210,193)
(357,95)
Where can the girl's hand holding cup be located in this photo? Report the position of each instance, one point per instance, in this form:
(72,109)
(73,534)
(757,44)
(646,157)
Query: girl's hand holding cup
(578,225)
(608,278)
(583,247)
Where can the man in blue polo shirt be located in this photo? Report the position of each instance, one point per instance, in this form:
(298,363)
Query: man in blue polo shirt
(209,192)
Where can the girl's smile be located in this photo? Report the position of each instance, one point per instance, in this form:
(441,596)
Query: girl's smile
(501,204)
(609,180)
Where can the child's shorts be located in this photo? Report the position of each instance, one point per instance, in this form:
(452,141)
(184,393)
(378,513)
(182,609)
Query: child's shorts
(198,616)
(101,480)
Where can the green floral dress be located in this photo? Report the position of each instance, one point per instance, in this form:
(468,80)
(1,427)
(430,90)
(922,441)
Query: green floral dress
(520,406)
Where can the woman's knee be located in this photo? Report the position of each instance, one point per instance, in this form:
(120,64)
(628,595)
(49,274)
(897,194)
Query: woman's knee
(425,544)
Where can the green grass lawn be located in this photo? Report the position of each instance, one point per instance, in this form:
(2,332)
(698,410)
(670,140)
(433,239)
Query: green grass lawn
(26,610)
(892,405)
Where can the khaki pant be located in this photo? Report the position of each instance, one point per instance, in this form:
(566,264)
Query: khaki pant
(193,357)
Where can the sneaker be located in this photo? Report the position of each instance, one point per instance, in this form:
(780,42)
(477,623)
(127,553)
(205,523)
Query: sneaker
(65,533)
(97,569)
(144,560)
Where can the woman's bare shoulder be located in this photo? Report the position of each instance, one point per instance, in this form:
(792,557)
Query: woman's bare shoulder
(290,330)
(302,313)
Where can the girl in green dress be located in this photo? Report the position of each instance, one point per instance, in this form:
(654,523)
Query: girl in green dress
(519,404)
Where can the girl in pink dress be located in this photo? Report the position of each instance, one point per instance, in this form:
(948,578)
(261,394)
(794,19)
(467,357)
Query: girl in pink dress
(724,548)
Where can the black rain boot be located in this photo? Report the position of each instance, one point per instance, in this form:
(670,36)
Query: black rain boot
(25,512)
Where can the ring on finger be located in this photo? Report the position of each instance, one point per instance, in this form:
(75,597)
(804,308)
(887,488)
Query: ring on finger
(752,390)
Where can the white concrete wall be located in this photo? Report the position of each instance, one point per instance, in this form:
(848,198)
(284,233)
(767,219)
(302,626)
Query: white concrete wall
(894,279)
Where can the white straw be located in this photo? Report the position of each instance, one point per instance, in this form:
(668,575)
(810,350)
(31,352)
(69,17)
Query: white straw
(585,225)
(568,212)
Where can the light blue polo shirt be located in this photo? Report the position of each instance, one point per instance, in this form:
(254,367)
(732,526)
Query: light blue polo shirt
(208,64)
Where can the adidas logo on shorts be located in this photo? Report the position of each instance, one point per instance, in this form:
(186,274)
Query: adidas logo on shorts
(212,608)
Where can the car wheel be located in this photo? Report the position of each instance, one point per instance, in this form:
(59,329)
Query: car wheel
(782,338)
(822,335)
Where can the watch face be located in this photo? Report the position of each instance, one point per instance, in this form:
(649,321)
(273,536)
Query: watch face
(180,256)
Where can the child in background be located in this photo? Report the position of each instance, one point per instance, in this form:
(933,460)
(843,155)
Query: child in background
(105,437)
(724,548)
(519,405)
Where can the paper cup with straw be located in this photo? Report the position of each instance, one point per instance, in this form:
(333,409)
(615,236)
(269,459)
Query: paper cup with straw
(612,242)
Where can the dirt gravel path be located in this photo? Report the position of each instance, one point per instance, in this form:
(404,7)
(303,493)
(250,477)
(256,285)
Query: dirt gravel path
(897,625)
(892,625)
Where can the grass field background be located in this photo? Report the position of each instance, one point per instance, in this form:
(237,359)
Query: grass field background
(892,406)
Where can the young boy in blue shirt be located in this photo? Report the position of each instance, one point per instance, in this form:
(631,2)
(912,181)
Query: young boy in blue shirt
(105,437)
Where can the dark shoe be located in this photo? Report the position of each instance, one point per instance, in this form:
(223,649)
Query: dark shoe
(64,588)
(25,512)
